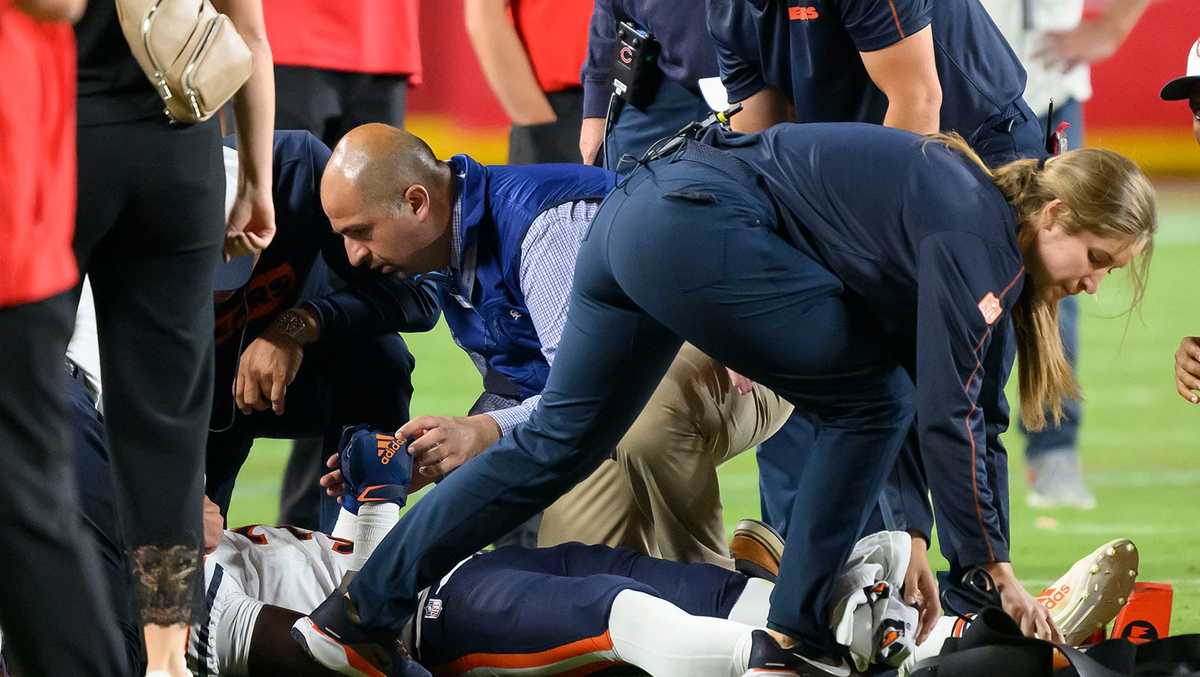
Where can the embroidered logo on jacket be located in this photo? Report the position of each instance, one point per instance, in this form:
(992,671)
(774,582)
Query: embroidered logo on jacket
(990,308)
(433,609)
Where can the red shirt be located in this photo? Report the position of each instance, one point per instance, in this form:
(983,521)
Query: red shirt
(37,158)
(359,36)
(555,35)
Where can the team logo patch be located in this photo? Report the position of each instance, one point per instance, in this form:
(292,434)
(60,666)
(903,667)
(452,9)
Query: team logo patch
(433,609)
(803,13)
(990,308)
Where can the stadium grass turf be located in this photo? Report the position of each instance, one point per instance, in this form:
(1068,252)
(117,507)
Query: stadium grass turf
(1140,442)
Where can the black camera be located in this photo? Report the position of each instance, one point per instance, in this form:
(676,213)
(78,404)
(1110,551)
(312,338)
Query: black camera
(635,71)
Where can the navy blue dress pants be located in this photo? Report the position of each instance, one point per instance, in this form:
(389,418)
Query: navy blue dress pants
(687,249)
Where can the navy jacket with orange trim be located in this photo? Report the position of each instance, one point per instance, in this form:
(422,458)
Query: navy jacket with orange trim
(930,248)
(295,270)
(809,51)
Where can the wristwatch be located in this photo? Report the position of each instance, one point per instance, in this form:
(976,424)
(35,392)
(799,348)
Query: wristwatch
(292,324)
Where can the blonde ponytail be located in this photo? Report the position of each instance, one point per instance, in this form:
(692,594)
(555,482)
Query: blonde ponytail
(1105,194)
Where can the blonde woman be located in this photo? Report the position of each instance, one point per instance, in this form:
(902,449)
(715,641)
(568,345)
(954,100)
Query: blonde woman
(905,275)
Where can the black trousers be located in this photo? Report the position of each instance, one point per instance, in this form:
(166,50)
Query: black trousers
(50,573)
(330,103)
(556,141)
(148,232)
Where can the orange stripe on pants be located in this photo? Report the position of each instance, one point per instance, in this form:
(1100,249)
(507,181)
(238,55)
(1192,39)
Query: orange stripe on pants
(600,645)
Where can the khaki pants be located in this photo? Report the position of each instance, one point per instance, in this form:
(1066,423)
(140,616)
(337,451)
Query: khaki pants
(660,495)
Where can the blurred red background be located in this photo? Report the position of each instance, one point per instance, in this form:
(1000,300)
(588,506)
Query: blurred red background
(456,111)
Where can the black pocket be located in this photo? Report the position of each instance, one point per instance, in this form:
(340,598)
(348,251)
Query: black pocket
(692,196)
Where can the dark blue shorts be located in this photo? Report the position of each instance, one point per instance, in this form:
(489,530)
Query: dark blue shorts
(519,609)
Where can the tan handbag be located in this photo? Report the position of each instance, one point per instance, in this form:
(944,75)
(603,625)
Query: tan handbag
(192,54)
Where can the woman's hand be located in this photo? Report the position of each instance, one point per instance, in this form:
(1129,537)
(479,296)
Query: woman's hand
(921,588)
(251,225)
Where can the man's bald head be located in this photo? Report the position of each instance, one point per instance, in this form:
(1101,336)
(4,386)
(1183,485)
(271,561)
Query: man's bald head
(388,196)
(379,162)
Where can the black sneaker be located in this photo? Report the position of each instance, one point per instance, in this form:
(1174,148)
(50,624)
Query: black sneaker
(768,659)
(329,637)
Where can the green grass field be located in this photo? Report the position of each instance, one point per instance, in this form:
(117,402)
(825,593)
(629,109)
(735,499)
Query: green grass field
(1140,441)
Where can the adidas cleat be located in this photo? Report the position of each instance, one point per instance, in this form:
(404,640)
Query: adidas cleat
(757,549)
(332,641)
(1093,590)
(768,659)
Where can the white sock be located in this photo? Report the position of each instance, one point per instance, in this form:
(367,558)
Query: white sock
(374,522)
(754,604)
(346,523)
(666,641)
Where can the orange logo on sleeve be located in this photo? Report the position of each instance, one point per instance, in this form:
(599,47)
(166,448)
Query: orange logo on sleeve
(803,13)
(990,308)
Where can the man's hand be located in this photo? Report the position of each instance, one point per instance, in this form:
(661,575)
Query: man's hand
(332,481)
(1094,39)
(439,444)
(1033,618)
(1187,369)
(921,588)
(268,366)
(251,225)
(214,525)
(1088,42)
(591,136)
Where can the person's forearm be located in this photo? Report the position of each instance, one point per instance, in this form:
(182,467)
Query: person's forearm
(254,104)
(397,306)
(918,112)
(765,108)
(53,10)
(505,63)
(1122,15)
(299,324)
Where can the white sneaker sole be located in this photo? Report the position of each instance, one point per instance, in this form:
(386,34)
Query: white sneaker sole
(1093,591)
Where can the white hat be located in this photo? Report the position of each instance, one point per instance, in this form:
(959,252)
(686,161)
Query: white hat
(1181,88)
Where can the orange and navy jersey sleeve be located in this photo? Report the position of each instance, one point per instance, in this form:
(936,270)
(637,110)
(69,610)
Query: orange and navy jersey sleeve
(966,287)
(877,24)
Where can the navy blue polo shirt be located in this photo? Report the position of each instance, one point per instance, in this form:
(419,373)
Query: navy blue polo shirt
(933,256)
(687,53)
(809,50)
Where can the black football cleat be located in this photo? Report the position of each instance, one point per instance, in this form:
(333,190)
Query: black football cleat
(768,659)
